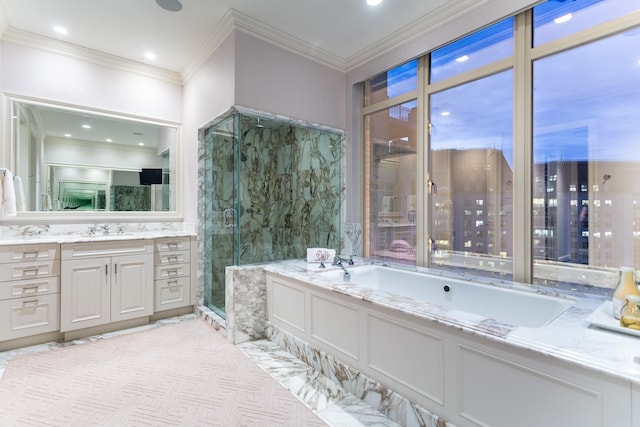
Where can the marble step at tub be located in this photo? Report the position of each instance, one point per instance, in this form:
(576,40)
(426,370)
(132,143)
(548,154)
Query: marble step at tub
(327,399)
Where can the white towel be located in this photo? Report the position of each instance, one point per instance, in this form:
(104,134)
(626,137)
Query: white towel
(21,204)
(8,193)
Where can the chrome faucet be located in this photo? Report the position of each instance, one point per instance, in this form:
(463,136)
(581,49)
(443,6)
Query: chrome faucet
(346,276)
(338,260)
(105,228)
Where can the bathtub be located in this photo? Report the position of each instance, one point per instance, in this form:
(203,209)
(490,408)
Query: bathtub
(515,307)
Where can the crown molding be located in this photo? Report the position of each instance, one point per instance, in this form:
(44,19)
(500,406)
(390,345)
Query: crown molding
(285,40)
(235,20)
(220,33)
(439,17)
(48,44)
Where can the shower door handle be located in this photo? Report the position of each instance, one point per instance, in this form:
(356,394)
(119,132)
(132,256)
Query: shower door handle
(229,217)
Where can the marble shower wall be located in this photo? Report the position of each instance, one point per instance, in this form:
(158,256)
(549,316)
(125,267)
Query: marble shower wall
(290,190)
(284,185)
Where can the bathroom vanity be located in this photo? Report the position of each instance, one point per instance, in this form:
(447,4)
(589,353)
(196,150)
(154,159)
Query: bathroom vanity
(61,287)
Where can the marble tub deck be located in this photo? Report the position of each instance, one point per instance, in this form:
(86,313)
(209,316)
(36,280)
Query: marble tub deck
(323,396)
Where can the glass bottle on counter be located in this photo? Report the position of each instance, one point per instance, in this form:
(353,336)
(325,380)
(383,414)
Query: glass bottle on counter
(626,286)
(630,313)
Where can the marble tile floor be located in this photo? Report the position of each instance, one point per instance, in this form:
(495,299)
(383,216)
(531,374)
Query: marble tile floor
(335,406)
(328,400)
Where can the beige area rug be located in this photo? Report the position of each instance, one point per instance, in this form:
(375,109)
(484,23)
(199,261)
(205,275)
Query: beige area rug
(183,374)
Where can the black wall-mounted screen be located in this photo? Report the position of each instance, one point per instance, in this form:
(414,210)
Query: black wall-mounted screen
(150,176)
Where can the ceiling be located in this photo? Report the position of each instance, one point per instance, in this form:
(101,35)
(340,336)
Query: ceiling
(339,33)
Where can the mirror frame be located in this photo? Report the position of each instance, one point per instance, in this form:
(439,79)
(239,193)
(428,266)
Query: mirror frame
(8,151)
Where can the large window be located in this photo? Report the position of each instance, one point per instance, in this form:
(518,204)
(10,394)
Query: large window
(472,167)
(586,161)
(467,173)
(478,49)
(392,158)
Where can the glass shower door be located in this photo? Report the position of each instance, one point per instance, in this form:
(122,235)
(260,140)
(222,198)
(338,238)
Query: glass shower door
(220,211)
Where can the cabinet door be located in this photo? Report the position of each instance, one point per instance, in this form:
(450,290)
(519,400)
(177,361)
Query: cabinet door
(85,293)
(131,287)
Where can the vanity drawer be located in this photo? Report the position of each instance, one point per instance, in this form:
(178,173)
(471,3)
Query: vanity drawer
(101,249)
(21,317)
(172,293)
(172,271)
(29,270)
(20,253)
(29,288)
(165,244)
(173,257)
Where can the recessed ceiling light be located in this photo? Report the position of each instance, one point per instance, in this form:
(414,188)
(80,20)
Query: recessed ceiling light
(60,30)
(150,55)
(140,144)
(170,5)
(445,113)
(563,18)
(374,2)
(68,135)
(462,58)
(86,126)
(109,140)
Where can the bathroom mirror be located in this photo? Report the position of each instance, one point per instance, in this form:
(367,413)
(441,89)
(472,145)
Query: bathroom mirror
(68,161)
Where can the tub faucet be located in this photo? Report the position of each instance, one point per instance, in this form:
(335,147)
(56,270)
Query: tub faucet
(338,260)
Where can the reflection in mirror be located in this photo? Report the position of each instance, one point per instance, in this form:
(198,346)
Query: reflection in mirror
(70,160)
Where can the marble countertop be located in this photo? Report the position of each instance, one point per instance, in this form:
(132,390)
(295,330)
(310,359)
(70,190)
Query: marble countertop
(570,337)
(21,235)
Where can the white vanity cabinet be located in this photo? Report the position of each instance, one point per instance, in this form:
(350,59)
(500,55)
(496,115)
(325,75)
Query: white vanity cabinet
(172,273)
(29,290)
(105,282)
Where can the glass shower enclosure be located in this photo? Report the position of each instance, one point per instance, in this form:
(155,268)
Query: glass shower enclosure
(269,189)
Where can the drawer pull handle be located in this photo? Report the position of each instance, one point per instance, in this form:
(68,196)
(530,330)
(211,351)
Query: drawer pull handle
(31,304)
(173,258)
(172,284)
(30,254)
(32,271)
(172,272)
(172,245)
(30,289)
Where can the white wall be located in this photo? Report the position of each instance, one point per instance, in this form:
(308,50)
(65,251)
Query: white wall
(272,79)
(35,73)
(207,94)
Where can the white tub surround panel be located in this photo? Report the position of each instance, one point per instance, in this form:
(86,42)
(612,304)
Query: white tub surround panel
(391,403)
(413,357)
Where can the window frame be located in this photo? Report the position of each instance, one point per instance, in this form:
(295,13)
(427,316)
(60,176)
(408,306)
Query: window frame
(524,55)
